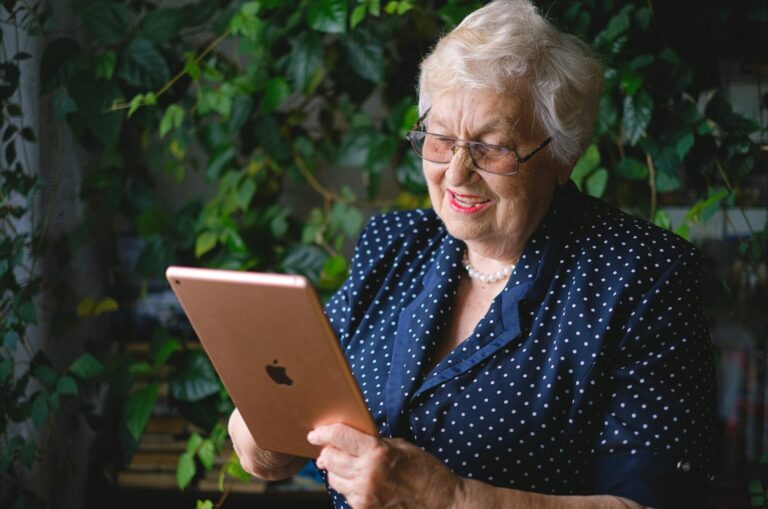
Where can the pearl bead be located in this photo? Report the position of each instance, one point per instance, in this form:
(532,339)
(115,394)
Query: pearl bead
(486,278)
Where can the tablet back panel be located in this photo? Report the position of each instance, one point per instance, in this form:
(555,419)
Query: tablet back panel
(272,346)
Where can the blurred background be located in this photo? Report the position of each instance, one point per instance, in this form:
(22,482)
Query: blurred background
(260,135)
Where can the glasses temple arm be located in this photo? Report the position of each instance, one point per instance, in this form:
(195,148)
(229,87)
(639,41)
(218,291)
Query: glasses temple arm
(535,151)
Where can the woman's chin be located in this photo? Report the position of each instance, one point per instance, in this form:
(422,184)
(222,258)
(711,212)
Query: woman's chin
(465,229)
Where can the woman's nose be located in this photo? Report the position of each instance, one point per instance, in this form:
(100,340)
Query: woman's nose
(461,168)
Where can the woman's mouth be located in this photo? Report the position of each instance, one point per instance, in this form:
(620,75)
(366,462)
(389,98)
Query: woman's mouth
(467,203)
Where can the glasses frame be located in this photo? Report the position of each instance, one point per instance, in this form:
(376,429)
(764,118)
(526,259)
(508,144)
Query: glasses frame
(419,127)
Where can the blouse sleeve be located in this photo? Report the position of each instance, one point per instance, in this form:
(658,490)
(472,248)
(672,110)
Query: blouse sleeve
(338,308)
(656,442)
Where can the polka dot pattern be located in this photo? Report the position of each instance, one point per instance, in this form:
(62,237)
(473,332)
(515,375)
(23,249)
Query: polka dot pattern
(591,371)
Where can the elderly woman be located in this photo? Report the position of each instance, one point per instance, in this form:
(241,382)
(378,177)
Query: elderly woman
(521,344)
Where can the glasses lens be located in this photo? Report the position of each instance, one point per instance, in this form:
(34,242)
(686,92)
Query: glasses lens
(435,148)
(440,149)
(493,159)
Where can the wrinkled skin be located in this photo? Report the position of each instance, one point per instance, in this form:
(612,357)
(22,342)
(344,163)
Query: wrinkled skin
(272,466)
(374,473)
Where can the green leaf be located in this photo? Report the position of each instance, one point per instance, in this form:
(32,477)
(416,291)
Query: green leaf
(684,231)
(138,409)
(334,272)
(305,260)
(668,55)
(245,194)
(756,487)
(66,386)
(54,401)
(410,175)
(86,367)
(684,144)
(234,469)
(666,182)
(6,369)
(346,219)
(172,119)
(358,14)
(275,91)
(366,55)
(240,112)
(63,104)
(46,375)
(142,66)
(167,348)
(204,243)
(328,16)
(135,104)
(193,443)
(106,21)
(196,379)
(58,63)
(631,82)
(662,219)
(28,454)
(94,99)
(664,159)
(632,169)
(105,65)
(617,25)
(218,161)
(643,18)
(11,339)
(589,160)
(26,311)
(641,61)
(638,110)
(160,25)
(607,115)
(207,454)
(597,182)
(246,23)
(39,410)
(304,60)
(185,470)
(140,368)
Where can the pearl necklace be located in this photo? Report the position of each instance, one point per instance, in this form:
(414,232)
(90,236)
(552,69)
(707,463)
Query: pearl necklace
(486,278)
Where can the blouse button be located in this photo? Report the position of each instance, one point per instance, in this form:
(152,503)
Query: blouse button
(684,466)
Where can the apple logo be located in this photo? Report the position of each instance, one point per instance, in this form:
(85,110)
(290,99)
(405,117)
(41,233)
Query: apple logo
(278,375)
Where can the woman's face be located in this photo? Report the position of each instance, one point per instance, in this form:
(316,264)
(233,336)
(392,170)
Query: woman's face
(494,214)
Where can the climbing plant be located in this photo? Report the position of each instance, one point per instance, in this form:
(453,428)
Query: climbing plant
(258,135)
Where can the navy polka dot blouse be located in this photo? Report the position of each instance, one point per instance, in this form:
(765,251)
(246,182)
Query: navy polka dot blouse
(591,372)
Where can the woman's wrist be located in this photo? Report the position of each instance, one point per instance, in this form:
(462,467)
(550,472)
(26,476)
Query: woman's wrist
(272,466)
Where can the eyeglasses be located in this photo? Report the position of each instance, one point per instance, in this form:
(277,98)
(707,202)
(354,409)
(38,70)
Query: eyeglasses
(438,148)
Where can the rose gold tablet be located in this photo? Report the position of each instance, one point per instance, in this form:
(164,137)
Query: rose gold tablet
(272,346)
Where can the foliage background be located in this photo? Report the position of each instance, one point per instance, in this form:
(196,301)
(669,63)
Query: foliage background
(258,135)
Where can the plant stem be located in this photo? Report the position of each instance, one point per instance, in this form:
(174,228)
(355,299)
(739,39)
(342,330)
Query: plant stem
(652,183)
(328,196)
(728,185)
(180,74)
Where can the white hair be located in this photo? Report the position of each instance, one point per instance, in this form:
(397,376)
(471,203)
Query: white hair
(508,43)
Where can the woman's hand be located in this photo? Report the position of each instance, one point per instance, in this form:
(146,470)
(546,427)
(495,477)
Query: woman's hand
(272,466)
(374,473)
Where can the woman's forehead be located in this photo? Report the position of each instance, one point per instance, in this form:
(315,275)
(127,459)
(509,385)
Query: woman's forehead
(480,110)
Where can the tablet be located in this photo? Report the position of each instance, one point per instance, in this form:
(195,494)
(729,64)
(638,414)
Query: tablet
(275,352)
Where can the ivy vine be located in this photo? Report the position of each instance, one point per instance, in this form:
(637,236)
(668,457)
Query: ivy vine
(291,118)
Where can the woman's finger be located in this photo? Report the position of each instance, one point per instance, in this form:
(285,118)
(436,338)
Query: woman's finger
(344,486)
(342,437)
(338,462)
